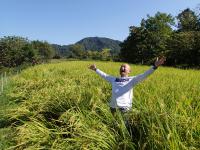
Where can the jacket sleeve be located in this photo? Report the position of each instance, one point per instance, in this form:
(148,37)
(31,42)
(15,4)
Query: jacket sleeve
(137,79)
(105,76)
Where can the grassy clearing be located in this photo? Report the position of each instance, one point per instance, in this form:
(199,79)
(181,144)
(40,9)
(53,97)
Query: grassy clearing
(65,106)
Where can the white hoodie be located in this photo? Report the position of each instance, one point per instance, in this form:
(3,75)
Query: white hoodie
(122,88)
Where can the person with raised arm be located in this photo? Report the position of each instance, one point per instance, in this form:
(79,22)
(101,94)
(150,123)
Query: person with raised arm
(122,87)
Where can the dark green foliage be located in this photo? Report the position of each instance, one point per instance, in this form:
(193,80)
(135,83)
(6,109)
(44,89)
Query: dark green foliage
(184,49)
(188,21)
(156,36)
(77,51)
(45,50)
(89,48)
(62,50)
(146,42)
(16,51)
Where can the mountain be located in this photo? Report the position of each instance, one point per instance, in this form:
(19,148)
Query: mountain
(99,43)
(90,43)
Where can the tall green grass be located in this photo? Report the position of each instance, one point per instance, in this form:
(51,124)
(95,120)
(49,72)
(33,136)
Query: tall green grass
(65,106)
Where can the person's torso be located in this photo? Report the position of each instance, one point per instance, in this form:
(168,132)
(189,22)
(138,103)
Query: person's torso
(122,94)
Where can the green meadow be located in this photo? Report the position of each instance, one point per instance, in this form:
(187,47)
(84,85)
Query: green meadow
(64,105)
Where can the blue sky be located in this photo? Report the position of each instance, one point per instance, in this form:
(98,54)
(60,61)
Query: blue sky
(68,21)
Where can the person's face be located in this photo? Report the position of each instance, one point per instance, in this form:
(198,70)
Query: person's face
(124,70)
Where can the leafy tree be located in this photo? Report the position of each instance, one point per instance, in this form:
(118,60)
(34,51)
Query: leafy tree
(182,49)
(77,51)
(14,51)
(44,49)
(188,21)
(105,54)
(61,50)
(148,40)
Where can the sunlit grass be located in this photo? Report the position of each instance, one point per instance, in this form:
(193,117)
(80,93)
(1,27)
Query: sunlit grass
(65,106)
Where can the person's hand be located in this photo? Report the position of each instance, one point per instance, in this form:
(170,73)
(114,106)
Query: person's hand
(93,67)
(160,61)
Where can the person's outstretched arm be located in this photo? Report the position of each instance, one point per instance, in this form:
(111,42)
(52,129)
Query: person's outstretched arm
(144,75)
(101,73)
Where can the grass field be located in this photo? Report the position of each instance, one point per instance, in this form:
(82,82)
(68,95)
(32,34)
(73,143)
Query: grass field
(65,106)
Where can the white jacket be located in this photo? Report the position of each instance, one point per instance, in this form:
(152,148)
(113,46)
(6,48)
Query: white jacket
(122,87)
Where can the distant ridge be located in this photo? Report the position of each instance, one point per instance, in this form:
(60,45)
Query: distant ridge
(90,43)
(99,43)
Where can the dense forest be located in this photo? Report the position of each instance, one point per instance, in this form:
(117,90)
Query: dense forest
(175,37)
(90,48)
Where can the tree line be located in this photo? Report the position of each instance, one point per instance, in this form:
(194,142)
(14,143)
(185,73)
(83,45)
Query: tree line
(177,38)
(77,51)
(18,51)
(90,48)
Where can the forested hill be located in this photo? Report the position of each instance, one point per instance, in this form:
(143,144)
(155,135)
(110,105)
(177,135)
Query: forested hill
(99,43)
(90,43)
